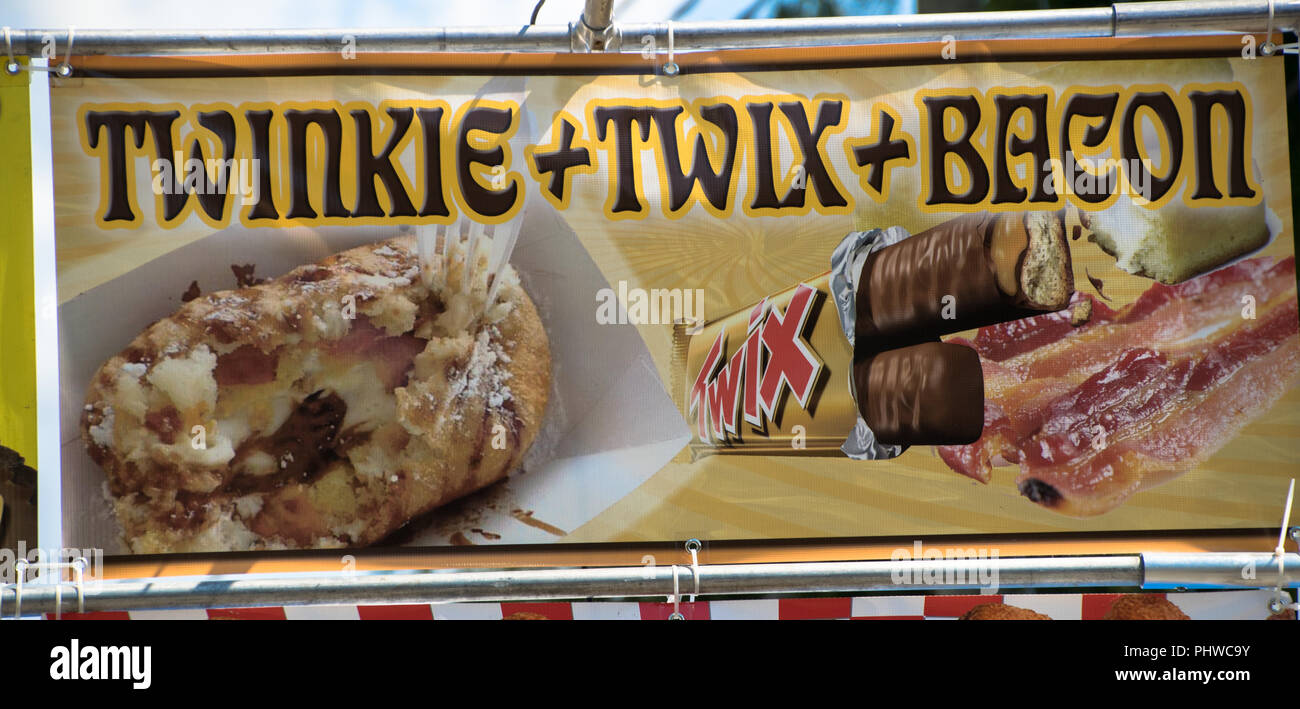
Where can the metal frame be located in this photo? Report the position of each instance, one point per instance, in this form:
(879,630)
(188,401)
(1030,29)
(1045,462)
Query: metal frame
(596,30)
(1162,570)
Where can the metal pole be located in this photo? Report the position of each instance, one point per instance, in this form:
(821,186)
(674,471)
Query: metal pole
(595,30)
(1121,19)
(716,580)
(1218,569)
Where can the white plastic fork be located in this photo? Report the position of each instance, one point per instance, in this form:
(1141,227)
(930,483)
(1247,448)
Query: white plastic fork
(436,246)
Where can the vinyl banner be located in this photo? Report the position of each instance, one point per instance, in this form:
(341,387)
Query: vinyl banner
(504,305)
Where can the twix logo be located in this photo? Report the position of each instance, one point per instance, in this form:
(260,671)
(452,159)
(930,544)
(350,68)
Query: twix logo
(772,358)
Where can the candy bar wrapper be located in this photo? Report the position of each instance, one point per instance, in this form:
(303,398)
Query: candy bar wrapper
(776,378)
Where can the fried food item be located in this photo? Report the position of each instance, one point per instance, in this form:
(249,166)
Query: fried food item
(325,408)
(525,615)
(1144,606)
(1001,611)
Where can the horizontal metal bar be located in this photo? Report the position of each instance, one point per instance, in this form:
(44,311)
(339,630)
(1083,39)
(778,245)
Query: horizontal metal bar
(1217,569)
(251,590)
(1121,19)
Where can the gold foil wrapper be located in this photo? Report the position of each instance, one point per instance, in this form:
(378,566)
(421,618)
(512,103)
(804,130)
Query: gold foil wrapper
(796,401)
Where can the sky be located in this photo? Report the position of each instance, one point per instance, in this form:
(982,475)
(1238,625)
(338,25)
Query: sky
(235,14)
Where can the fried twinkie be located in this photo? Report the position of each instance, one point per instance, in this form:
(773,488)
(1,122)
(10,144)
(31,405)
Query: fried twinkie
(1144,606)
(325,408)
(1001,611)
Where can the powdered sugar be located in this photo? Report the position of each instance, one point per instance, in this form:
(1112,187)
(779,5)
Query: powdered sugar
(102,432)
(485,375)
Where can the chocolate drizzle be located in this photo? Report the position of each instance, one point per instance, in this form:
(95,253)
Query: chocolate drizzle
(303,446)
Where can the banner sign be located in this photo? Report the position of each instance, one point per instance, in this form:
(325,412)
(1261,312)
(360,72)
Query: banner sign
(746,302)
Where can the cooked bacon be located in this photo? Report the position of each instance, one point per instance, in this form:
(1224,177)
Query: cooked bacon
(246,365)
(391,355)
(1163,317)
(1006,340)
(1140,395)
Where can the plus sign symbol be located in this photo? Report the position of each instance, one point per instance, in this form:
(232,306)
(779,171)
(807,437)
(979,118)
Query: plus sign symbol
(874,157)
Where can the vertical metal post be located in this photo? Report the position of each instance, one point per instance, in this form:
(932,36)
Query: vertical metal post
(595,31)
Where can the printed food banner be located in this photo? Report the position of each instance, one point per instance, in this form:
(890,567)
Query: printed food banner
(343,309)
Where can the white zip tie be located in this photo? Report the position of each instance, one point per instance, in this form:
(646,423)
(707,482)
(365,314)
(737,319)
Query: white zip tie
(78,566)
(1267,48)
(1280,549)
(670,67)
(62,69)
(1281,597)
(693,546)
(65,67)
(11,67)
(20,570)
(676,597)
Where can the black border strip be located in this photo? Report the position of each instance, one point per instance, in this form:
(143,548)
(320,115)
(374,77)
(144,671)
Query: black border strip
(489,67)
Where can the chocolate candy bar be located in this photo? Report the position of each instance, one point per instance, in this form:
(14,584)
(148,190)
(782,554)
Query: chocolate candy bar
(770,379)
(968,272)
(773,379)
(779,377)
(921,394)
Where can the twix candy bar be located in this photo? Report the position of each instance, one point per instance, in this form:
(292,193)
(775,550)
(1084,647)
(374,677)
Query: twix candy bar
(972,271)
(857,347)
(770,379)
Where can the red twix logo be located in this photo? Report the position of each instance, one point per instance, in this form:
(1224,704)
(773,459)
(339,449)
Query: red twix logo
(790,362)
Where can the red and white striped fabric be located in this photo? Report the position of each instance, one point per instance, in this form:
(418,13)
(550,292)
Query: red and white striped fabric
(1205,605)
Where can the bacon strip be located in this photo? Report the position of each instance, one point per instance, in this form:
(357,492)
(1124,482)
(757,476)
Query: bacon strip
(1166,318)
(1140,395)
